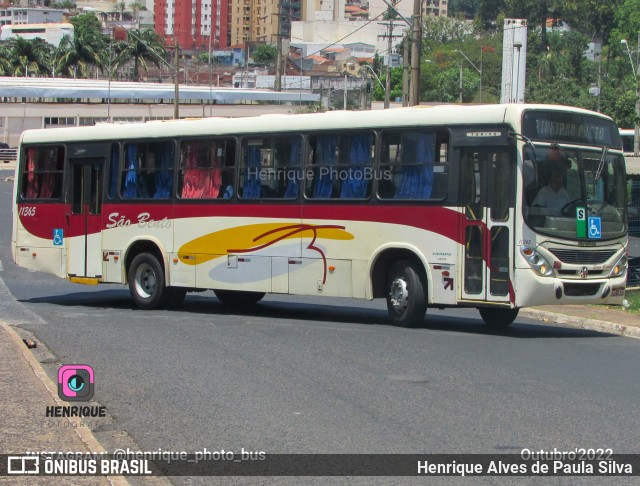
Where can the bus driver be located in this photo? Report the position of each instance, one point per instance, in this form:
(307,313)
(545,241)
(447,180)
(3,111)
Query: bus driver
(553,196)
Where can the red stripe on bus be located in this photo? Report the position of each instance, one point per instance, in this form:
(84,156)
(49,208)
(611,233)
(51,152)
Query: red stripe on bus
(47,217)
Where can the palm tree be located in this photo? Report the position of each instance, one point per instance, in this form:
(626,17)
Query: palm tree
(6,68)
(88,46)
(29,56)
(142,47)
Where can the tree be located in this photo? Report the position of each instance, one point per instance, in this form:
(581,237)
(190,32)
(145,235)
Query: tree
(29,56)
(56,58)
(466,9)
(88,46)
(65,4)
(446,84)
(142,47)
(6,68)
(265,54)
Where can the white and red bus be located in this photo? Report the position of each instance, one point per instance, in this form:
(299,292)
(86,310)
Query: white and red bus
(426,207)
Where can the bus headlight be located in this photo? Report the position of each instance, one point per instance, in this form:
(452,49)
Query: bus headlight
(620,267)
(537,262)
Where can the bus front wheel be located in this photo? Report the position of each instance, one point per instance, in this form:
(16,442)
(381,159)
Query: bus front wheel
(498,317)
(237,297)
(406,297)
(146,281)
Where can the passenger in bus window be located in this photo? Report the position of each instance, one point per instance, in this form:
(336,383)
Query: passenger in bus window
(553,196)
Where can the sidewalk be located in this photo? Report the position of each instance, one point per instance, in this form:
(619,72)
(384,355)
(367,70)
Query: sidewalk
(591,317)
(26,391)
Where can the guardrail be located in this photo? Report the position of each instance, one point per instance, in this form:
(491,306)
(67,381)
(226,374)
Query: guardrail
(8,155)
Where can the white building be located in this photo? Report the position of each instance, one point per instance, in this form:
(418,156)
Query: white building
(49,32)
(27,15)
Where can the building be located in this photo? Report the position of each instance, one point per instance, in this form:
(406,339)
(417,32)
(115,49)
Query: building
(49,32)
(257,20)
(196,25)
(326,21)
(436,8)
(5,15)
(29,15)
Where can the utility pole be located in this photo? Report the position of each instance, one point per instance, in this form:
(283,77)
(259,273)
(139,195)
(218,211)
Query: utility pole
(176,103)
(415,57)
(405,73)
(277,83)
(389,36)
(415,53)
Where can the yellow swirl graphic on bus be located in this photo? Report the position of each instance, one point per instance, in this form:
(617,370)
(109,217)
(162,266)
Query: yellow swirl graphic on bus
(254,237)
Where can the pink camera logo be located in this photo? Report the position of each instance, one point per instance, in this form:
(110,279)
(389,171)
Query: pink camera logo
(75,383)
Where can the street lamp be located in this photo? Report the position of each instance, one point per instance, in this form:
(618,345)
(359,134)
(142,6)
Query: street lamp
(474,67)
(626,44)
(634,70)
(374,74)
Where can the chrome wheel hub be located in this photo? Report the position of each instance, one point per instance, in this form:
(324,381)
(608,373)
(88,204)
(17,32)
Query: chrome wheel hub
(399,295)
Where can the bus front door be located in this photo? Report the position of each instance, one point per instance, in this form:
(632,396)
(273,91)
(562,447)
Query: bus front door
(84,218)
(488,194)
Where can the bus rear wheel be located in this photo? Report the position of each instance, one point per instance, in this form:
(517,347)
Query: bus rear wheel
(406,297)
(498,317)
(146,281)
(236,297)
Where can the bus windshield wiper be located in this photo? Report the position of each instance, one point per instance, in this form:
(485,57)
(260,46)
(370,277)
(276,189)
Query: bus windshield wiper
(603,158)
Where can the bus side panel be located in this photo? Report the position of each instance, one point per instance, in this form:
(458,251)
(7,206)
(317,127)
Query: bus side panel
(42,259)
(315,276)
(35,251)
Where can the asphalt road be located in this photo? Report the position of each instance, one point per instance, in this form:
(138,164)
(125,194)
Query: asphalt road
(308,375)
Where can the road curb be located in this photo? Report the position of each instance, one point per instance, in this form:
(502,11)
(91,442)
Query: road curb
(583,323)
(85,435)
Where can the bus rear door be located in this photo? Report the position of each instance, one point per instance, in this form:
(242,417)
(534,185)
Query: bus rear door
(84,215)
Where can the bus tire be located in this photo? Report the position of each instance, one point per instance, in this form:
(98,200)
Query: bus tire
(237,297)
(146,282)
(497,316)
(406,296)
(175,296)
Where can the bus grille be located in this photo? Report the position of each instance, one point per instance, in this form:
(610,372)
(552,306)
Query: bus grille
(580,289)
(583,257)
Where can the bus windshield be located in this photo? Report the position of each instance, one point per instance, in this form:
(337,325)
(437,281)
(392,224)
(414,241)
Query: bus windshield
(563,185)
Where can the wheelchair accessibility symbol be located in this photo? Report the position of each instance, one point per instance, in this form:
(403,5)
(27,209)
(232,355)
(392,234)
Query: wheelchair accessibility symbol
(58,236)
(595,227)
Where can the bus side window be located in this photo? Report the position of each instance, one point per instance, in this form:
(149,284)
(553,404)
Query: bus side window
(148,170)
(407,165)
(324,158)
(42,173)
(271,167)
(355,158)
(207,169)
